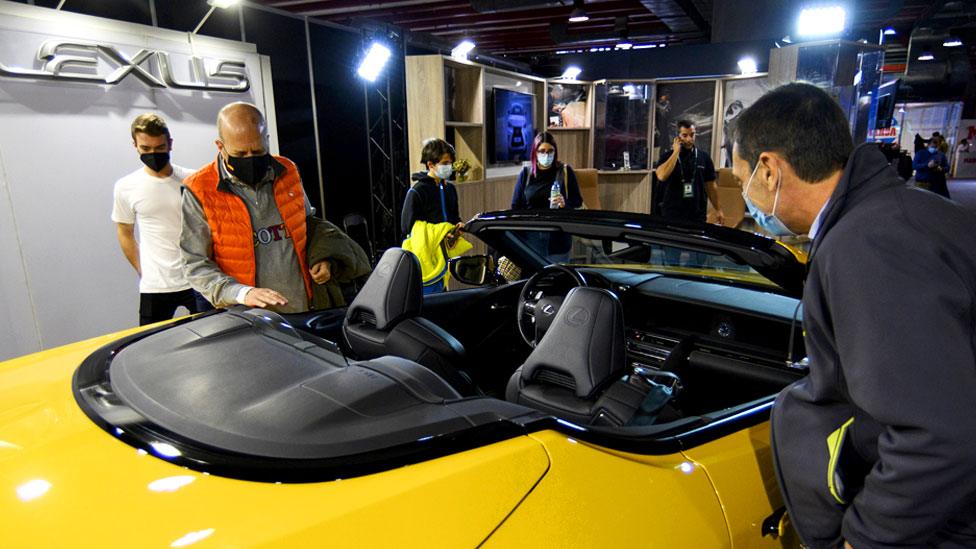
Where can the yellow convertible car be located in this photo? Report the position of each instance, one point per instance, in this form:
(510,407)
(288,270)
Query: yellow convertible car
(612,390)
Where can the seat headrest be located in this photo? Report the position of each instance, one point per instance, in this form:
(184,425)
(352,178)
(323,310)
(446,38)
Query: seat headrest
(392,292)
(585,343)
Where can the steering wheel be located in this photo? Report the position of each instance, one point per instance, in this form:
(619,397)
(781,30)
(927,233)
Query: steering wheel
(536,310)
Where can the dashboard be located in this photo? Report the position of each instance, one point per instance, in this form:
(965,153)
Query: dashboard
(673,319)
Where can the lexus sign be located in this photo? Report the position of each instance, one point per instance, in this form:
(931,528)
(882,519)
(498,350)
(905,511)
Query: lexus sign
(78,61)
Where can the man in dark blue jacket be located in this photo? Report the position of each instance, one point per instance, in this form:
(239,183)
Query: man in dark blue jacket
(931,166)
(876,447)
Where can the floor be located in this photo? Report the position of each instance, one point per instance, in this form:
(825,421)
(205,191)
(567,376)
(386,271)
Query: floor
(963,191)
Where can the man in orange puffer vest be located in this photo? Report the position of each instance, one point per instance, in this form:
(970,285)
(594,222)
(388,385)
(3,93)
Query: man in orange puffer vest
(244,222)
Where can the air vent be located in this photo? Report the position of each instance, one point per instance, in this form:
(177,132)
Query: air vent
(555,378)
(365,317)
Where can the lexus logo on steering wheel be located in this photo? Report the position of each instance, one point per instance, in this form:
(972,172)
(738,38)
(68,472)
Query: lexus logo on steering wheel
(548,309)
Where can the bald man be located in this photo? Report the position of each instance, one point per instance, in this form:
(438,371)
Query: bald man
(246,222)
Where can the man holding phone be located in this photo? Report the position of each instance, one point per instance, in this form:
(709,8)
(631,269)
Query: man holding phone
(688,179)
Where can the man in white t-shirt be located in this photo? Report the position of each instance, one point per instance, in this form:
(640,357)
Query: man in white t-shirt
(150,197)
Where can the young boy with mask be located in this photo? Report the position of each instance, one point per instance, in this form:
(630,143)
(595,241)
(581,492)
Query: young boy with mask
(432,198)
(150,197)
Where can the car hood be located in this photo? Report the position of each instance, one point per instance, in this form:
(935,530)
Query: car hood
(63,479)
(778,262)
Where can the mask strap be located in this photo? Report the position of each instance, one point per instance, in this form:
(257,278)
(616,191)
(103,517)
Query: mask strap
(745,193)
(779,186)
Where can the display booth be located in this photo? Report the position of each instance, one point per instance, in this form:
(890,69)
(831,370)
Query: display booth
(70,85)
(610,131)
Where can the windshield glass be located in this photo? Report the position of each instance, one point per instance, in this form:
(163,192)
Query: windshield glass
(634,254)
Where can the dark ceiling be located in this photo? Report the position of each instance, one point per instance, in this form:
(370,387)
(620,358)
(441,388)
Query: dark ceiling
(521,28)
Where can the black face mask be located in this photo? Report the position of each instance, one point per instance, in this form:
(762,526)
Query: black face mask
(155,161)
(249,169)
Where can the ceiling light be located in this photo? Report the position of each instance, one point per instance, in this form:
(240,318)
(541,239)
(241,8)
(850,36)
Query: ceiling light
(747,65)
(926,56)
(461,51)
(571,73)
(645,46)
(786,39)
(578,15)
(952,43)
(822,21)
(890,31)
(374,62)
(624,45)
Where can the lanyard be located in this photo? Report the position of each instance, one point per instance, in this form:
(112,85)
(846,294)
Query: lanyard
(443,202)
(694,168)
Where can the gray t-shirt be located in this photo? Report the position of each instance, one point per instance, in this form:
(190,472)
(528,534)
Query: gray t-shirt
(277,265)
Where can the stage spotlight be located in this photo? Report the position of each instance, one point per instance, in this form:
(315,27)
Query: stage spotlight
(747,65)
(822,21)
(571,73)
(374,62)
(461,51)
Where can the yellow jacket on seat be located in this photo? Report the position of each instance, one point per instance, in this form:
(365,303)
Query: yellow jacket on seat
(426,241)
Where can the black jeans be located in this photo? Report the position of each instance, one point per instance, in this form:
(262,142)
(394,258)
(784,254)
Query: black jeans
(159,307)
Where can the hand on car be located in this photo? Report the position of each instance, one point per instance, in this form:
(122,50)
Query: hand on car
(264,297)
(719,217)
(321,272)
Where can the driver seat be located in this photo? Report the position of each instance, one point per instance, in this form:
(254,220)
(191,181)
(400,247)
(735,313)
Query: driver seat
(384,319)
(575,372)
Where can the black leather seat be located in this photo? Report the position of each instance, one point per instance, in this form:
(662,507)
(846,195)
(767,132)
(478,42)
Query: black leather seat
(384,319)
(576,371)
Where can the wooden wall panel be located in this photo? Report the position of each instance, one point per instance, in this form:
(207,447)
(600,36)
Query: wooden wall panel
(425,102)
(573,147)
(626,192)
(498,193)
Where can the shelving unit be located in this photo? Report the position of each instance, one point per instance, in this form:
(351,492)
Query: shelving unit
(575,143)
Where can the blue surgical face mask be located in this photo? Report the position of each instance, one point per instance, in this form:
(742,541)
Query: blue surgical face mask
(932,150)
(545,159)
(443,171)
(768,221)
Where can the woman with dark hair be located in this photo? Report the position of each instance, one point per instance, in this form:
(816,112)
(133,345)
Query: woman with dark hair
(537,183)
(547,183)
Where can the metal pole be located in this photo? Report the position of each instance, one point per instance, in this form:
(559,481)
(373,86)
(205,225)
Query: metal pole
(369,163)
(390,155)
(315,117)
(202,21)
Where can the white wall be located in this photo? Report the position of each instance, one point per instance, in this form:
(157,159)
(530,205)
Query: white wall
(62,146)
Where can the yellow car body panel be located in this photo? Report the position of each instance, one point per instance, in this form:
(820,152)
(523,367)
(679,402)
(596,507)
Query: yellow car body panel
(66,482)
(592,497)
(740,466)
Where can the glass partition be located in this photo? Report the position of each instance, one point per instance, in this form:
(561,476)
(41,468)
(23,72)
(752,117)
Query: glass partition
(623,118)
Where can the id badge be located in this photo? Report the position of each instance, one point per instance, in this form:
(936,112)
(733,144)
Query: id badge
(689,191)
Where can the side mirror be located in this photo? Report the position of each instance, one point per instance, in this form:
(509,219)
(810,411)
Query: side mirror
(476,270)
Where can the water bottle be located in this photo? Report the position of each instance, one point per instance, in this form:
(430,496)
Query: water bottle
(553,195)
